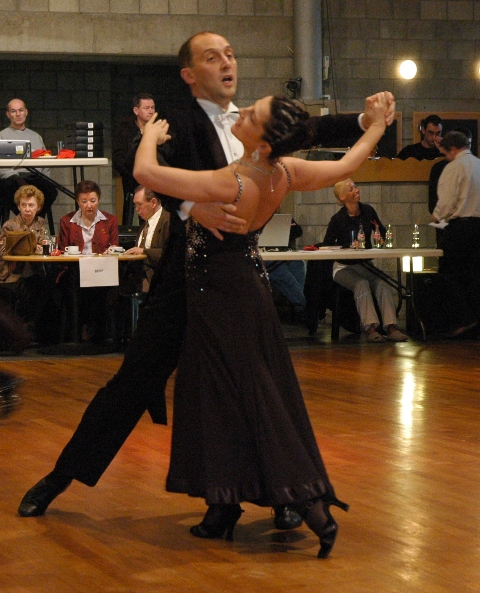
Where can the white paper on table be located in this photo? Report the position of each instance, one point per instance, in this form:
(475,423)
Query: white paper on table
(439,225)
(98,271)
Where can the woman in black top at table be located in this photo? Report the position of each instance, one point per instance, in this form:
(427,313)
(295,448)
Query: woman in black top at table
(353,275)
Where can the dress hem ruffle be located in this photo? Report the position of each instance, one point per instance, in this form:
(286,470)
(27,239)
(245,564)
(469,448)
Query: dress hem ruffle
(236,495)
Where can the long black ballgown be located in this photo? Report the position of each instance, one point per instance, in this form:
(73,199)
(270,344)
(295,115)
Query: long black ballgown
(240,427)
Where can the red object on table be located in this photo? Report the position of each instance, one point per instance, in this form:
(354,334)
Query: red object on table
(65,153)
(41,152)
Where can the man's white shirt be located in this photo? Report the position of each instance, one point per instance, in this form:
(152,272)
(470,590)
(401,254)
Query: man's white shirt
(152,224)
(223,120)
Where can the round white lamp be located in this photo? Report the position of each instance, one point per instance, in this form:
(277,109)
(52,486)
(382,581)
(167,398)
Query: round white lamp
(408,69)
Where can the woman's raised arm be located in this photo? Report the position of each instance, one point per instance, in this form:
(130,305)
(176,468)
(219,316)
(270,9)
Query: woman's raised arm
(197,186)
(311,175)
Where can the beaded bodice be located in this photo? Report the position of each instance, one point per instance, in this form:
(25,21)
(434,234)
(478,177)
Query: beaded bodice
(202,246)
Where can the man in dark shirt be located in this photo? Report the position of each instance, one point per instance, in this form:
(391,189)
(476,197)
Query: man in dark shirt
(125,142)
(431,130)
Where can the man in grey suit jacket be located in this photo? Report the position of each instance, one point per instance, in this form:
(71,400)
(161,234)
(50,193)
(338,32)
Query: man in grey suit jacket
(209,67)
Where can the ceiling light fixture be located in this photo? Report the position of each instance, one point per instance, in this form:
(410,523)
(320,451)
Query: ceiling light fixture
(408,69)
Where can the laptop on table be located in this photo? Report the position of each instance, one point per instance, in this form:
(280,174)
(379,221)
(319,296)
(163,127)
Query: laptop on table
(276,233)
(15,149)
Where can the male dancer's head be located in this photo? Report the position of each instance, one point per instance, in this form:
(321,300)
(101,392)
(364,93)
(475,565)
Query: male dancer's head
(209,67)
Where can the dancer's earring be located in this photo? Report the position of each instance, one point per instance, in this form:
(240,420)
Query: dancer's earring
(255,155)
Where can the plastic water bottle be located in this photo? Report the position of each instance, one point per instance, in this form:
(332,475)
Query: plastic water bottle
(389,237)
(415,237)
(377,237)
(361,237)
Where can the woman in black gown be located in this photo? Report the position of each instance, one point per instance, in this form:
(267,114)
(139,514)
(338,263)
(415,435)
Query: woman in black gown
(241,431)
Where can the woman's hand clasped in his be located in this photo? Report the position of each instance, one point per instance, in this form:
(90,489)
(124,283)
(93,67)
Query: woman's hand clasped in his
(157,129)
(378,106)
(384,101)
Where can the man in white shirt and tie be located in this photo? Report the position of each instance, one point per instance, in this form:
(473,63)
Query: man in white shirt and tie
(153,231)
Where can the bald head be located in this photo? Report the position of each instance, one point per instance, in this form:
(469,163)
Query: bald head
(209,67)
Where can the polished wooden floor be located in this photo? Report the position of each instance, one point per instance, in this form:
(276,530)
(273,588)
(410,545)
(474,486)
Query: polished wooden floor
(398,426)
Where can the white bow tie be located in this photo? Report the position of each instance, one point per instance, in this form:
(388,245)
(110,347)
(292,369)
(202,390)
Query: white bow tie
(227,118)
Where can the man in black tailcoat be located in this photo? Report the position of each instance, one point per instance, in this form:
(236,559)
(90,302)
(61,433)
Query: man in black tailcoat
(201,139)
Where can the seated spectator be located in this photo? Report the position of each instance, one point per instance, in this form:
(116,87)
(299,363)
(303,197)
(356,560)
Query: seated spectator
(93,231)
(12,179)
(151,238)
(288,276)
(352,275)
(26,281)
(428,147)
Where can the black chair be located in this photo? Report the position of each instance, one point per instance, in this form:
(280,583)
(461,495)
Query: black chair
(128,311)
(322,293)
(5,199)
(344,311)
(49,216)
(4,212)
(128,208)
(127,235)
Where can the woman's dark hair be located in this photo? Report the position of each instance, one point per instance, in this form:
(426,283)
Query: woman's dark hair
(87,187)
(286,131)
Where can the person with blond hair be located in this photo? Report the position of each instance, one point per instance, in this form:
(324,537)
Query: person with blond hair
(26,282)
(351,274)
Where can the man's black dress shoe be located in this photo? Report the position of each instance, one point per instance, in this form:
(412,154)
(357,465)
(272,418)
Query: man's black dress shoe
(286,518)
(36,500)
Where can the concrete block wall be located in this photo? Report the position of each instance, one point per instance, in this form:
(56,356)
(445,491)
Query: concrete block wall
(366,41)
(370,38)
(57,93)
(64,56)
(260,30)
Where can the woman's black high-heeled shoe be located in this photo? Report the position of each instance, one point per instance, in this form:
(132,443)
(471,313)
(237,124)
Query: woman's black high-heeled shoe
(219,519)
(316,514)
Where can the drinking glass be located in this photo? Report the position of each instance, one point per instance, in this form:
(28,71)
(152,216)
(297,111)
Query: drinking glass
(353,238)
